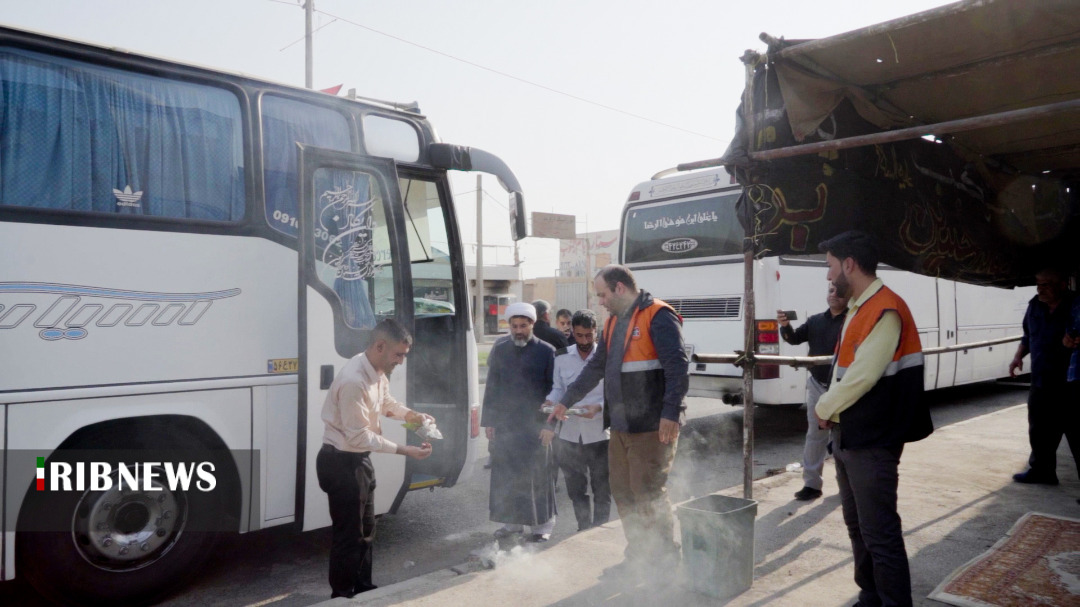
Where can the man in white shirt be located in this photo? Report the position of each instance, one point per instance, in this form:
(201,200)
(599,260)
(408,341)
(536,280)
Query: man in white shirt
(583,450)
(359,395)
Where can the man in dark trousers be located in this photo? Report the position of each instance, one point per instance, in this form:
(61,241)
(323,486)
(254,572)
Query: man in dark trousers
(359,395)
(543,328)
(874,406)
(1051,410)
(823,332)
(583,439)
(644,367)
(519,378)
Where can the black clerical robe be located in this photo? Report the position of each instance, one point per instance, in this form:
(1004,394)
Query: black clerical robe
(518,381)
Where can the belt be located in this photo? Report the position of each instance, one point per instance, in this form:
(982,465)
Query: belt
(328,448)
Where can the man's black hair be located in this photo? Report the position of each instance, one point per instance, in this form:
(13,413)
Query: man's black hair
(563,312)
(614,274)
(855,244)
(391,330)
(584,319)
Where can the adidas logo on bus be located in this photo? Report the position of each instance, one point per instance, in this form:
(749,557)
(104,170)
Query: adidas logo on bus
(127,198)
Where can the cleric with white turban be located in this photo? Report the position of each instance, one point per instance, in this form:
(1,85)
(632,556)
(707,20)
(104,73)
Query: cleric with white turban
(520,308)
(519,379)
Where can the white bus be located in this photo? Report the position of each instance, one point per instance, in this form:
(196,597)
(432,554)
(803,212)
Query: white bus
(188,259)
(681,237)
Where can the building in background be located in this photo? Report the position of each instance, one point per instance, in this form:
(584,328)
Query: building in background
(502,287)
(579,259)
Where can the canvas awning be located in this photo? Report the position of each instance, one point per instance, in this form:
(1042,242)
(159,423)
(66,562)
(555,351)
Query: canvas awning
(998,83)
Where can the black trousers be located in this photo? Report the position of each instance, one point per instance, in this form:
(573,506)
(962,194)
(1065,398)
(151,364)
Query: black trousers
(349,482)
(868,480)
(1053,412)
(586,465)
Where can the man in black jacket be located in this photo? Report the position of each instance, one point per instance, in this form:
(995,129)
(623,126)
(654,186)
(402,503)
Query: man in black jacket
(1050,405)
(822,331)
(644,367)
(543,329)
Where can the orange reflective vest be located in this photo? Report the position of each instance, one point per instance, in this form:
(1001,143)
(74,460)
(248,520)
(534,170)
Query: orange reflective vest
(893,412)
(642,375)
(639,352)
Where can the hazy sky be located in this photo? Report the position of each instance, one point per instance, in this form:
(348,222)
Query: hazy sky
(674,62)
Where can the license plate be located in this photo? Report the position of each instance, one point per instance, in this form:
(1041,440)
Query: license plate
(283,365)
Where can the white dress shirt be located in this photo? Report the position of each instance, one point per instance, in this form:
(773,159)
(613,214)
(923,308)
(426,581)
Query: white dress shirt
(575,428)
(358,396)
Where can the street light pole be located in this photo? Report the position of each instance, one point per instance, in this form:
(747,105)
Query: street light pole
(309,76)
(479,328)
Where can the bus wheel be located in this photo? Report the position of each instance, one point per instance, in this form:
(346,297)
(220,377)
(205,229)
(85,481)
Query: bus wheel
(118,545)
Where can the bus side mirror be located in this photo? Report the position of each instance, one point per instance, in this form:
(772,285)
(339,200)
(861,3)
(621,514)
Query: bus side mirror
(518,229)
(460,158)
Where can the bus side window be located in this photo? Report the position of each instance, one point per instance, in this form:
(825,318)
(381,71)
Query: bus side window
(285,122)
(429,249)
(81,137)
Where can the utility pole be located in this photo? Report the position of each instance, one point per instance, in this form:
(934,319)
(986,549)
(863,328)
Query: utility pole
(309,76)
(588,264)
(479,325)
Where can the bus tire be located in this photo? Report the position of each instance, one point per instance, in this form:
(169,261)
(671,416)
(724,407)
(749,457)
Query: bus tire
(132,547)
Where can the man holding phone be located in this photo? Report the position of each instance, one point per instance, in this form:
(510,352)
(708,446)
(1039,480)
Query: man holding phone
(822,331)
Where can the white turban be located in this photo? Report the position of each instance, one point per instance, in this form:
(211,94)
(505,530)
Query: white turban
(520,308)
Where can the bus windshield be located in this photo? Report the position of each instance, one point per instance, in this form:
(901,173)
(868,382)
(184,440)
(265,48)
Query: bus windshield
(674,231)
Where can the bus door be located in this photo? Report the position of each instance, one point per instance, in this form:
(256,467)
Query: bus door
(351,276)
(438,369)
(946,304)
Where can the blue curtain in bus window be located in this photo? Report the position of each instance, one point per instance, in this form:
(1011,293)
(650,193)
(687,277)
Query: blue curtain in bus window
(345,210)
(79,137)
(285,123)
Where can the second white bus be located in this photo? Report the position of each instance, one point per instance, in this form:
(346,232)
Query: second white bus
(681,237)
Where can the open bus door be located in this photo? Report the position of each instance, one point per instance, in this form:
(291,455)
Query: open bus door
(348,228)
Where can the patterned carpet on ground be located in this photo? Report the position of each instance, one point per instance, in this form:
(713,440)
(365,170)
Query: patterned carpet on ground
(1036,563)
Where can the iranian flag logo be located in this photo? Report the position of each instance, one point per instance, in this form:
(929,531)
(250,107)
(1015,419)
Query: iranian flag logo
(41,474)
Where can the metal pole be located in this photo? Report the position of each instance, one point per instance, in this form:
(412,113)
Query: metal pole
(749,251)
(748,369)
(940,128)
(309,76)
(810,361)
(480,258)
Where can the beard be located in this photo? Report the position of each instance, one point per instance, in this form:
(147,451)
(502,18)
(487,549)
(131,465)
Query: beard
(520,342)
(585,349)
(843,287)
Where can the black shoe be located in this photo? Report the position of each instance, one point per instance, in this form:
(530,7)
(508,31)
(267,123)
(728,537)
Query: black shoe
(1035,479)
(503,532)
(538,538)
(807,493)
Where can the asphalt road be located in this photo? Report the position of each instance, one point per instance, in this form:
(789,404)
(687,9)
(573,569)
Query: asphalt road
(435,530)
